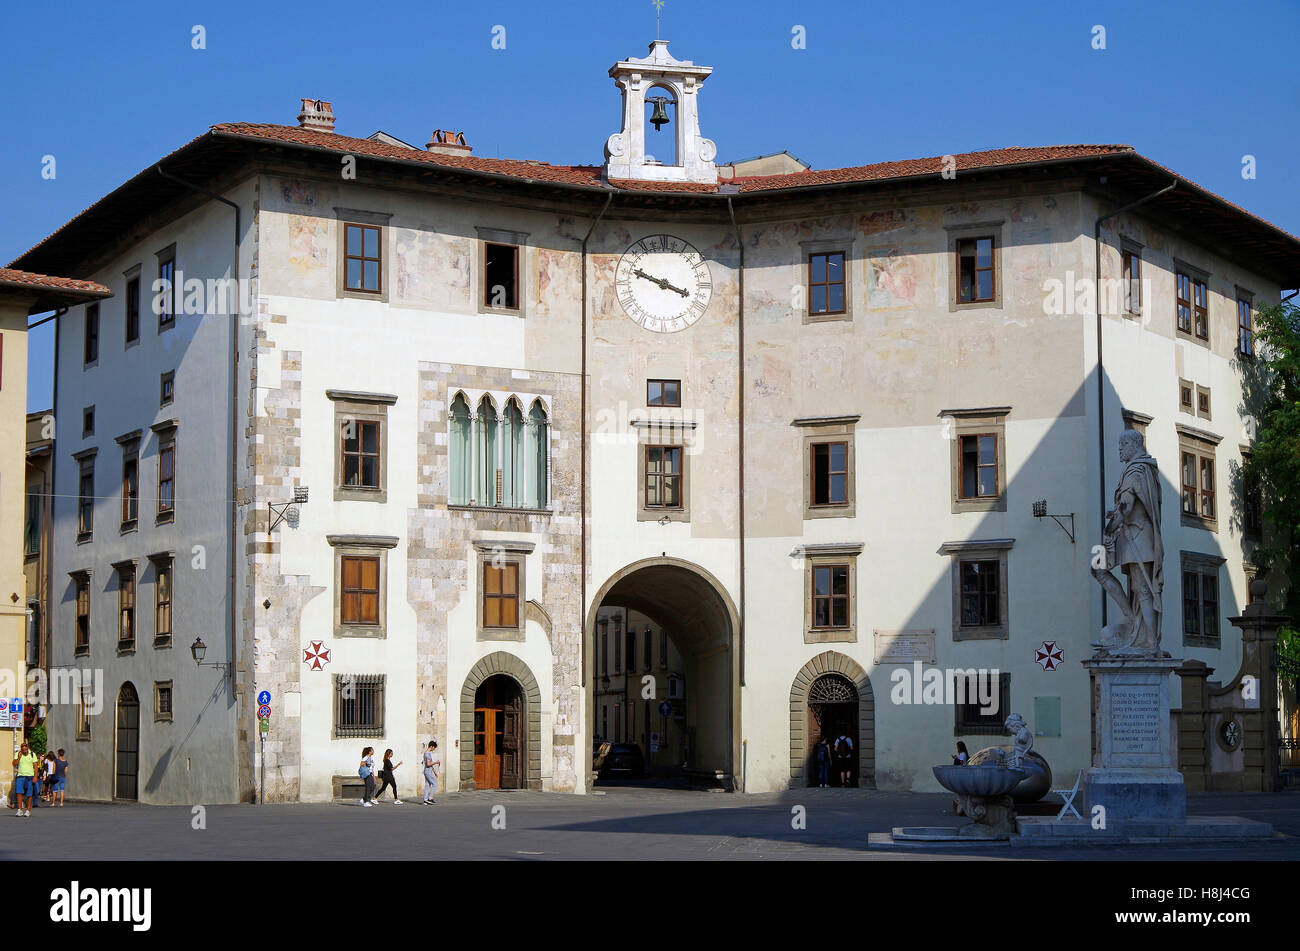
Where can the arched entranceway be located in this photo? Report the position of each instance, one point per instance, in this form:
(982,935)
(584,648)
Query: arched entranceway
(696,705)
(500,725)
(832,695)
(833,716)
(498,734)
(128,744)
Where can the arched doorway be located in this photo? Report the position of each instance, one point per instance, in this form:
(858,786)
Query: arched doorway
(832,691)
(699,702)
(832,714)
(128,743)
(509,734)
(498,734)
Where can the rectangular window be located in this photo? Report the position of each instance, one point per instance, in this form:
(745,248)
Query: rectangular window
(90,345)
(663,477)
(618,651)
(830,608)
(130,487)
(32,523)
(167,388)
(86,500)
(162,700)
(1198,485)
(663,393)
(1252,522)
(604,648)
(168,292)
(649,649)
(1192,300)
(167,477)
(133,310)
(630,634)
(979,466)
(500,276)
(126,608)
(1131,266)
(359,590)
(983,705)
(1245,329)
(829,473)
(360,453)
(363,258)
(1203,401)
(1185,397)
(358,706)
(975,270)
(501,595)
(82,644)
(826,283)
(83,716)
(663,649)
(87,422)
(162,625)
(1201,606)
(981,594)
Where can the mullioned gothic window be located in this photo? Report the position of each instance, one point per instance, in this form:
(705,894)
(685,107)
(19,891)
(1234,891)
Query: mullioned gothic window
(499,456)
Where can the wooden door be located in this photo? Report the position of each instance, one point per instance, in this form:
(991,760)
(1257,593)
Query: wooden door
(487,755)
(511,748)
(128,744)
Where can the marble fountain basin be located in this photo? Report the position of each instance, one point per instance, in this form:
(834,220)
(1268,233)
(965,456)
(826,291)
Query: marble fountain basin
(987,780)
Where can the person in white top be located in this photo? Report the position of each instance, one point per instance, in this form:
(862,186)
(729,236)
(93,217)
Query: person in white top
(432,766)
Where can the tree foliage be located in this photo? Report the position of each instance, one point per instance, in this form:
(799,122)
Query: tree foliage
(1272,390)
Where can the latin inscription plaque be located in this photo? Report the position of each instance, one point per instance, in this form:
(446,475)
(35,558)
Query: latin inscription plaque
(1135,718)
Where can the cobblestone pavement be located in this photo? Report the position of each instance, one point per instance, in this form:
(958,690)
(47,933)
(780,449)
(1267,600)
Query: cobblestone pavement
(624,823)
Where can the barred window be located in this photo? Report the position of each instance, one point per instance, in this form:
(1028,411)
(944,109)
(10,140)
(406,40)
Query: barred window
(982,706)
(358,706)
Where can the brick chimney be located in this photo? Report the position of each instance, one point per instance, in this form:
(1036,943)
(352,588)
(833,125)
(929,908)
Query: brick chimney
(317,114)
(446,142)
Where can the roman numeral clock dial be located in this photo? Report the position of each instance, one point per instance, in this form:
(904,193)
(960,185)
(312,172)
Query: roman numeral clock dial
(663,284)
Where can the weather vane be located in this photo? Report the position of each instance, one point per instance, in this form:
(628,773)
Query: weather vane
(659,9)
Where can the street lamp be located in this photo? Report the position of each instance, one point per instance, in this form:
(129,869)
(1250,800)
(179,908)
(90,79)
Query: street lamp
(198,650)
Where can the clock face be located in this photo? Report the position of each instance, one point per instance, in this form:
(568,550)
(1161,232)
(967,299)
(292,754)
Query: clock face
(663,284)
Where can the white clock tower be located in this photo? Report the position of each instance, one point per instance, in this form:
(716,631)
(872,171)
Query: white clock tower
(671,87)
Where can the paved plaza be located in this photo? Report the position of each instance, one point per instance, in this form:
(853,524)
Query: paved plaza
(625,823)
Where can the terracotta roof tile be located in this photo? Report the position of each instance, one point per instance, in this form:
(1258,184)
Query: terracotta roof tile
(10,277)
(590,175)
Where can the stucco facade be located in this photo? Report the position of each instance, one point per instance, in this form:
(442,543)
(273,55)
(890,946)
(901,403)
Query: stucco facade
(899,376)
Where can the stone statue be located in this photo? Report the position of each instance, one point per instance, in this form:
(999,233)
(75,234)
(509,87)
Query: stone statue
(1024,741)
(1132,542)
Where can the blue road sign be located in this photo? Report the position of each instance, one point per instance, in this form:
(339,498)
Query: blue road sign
(665,709)
(264,698)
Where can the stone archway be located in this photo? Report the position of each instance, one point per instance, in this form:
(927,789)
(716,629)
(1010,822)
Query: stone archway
(511,666)
(690,603)
(831,662)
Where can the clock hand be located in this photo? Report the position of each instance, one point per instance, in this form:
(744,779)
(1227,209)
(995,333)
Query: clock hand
(662,282)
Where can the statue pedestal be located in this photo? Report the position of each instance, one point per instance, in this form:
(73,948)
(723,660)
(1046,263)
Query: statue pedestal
(1133,776)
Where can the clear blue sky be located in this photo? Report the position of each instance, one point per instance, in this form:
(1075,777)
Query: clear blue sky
(109,88)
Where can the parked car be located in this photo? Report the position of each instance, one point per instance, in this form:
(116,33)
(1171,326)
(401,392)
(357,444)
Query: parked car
(621,759)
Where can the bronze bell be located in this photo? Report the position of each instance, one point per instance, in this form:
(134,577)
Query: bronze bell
(660,115)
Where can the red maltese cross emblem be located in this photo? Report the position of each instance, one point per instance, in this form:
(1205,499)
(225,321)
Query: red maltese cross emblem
(1049,656)
(316,656)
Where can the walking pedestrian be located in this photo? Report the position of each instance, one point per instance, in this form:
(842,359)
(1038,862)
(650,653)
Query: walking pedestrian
(367,772)
(432,764)
(844,758)
(822,753)
(25,762)
(47,778)
(60,777)
(386,774)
